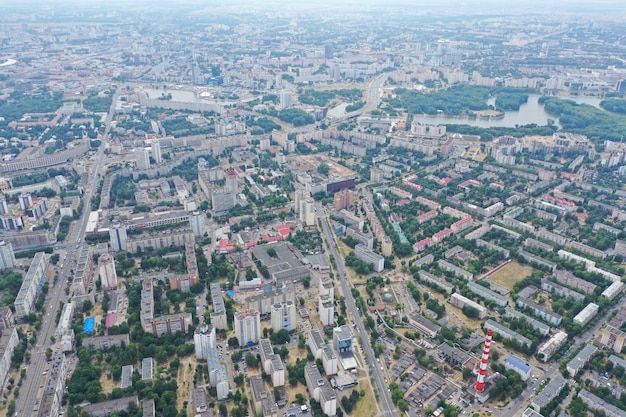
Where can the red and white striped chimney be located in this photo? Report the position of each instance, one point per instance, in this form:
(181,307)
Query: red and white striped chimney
(482,370)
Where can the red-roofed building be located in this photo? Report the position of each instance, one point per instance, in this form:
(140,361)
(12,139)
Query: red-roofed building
(270,239)
(569,175)
(400,192)
(462,224)
(444,181)
(378,308)
(281,210)
(451,211)
(560,202)
(402,202)
(422,244)
(496,185)
(407,181)
(441,235)
(225,246)
(426,216)
(110,320)
(429,203)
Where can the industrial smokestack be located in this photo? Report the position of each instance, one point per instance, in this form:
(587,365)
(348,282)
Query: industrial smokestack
(482,370)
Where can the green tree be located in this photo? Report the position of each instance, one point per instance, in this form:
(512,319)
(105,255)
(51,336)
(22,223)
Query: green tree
(323,168)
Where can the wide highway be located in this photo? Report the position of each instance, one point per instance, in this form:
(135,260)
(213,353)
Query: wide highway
(31,391)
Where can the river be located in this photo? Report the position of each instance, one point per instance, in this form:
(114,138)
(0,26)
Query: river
(530,112)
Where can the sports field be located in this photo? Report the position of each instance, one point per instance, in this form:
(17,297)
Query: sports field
(510,274)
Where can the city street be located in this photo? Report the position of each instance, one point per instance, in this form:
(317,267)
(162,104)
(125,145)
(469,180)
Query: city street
(388,408)
(26,403)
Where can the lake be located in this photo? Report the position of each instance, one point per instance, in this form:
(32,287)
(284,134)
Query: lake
(529,112)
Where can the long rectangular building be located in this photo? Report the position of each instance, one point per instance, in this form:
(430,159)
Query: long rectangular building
(551,346)
(596,403)
(543,328)
(218,316)
(432,279)
(560,290)
(487,294)
(540,311)
(581,359)
(507,333)
(447,266)
(31,285)
(460,301)
(549,392)
(529,257)
(370,257)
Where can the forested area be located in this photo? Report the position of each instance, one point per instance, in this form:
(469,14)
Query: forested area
(296,117)
(10,283)
(598,125)
(322,98)
(455,101)
(510,101)
(614,105)
(487,134)
(18,104)
(98,104)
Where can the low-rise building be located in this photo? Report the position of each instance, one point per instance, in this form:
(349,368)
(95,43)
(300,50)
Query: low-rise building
(431,279)
(424,325)
(460,301)
(581,359)
(127,374)
(550,346)
(447,266)
(487,294)
(586,314)
(507,333)
(106,408)
(542,328)
(105,342)
(560,290)
(370,257)
(553,318)
(613,290)
(596,403)
(548,393)
(519,366)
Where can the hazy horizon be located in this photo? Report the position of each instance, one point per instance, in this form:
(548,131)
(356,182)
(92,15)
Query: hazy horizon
(459,6)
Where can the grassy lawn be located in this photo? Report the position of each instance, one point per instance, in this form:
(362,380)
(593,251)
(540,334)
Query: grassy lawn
(366,407)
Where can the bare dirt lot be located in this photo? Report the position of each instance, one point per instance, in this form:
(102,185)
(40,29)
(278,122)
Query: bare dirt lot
(311,162)
(510,274)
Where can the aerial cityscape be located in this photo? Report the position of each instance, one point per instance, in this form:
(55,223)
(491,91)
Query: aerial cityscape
(348,208)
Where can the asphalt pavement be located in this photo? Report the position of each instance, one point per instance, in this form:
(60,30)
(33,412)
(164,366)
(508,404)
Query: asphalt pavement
(30,392)
(388,408)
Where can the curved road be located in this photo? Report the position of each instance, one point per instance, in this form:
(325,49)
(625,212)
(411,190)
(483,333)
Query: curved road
(388,408)
(373,95)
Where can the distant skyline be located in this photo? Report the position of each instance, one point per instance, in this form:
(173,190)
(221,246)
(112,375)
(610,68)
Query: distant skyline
(460,6)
